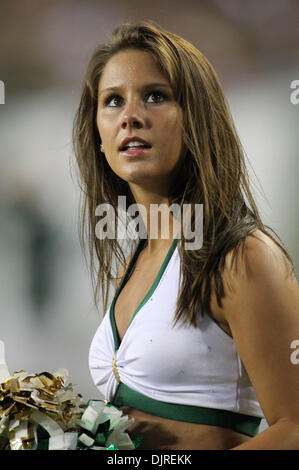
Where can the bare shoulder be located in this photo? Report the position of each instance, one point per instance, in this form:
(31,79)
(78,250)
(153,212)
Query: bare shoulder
(260,264)
(260,256)
(261,306)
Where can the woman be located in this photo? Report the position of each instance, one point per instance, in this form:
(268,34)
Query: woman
(196,343)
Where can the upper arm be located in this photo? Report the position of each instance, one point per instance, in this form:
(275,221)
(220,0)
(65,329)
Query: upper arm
(262,310)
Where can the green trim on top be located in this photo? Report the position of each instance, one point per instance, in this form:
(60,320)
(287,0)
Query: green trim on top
(149,293)
(238,422)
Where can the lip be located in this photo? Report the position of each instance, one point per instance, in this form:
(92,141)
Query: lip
(134,151)
(130,139)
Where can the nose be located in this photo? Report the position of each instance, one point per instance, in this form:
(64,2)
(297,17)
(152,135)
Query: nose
(133,115)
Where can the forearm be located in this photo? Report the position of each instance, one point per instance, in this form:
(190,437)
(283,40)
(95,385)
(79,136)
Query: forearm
(283,435)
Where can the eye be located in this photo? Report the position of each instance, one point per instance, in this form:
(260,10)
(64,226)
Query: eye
(113,100)
(158,97)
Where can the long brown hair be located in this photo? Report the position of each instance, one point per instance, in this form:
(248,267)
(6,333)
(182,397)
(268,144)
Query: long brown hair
(213,173)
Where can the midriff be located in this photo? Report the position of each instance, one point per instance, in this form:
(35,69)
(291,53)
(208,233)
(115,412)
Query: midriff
(168,434)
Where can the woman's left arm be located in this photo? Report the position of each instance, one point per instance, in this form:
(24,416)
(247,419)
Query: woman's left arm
(262,310)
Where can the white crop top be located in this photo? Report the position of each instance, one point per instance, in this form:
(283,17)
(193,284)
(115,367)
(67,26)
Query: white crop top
(179,372)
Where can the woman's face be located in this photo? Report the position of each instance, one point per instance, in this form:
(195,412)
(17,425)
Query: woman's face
(136,101)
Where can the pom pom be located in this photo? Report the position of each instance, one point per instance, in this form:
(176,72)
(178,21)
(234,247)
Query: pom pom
(41,412)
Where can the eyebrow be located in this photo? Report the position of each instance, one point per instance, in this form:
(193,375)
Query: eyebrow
(145,87)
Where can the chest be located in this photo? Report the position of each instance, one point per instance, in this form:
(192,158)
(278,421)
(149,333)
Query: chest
(140,283)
